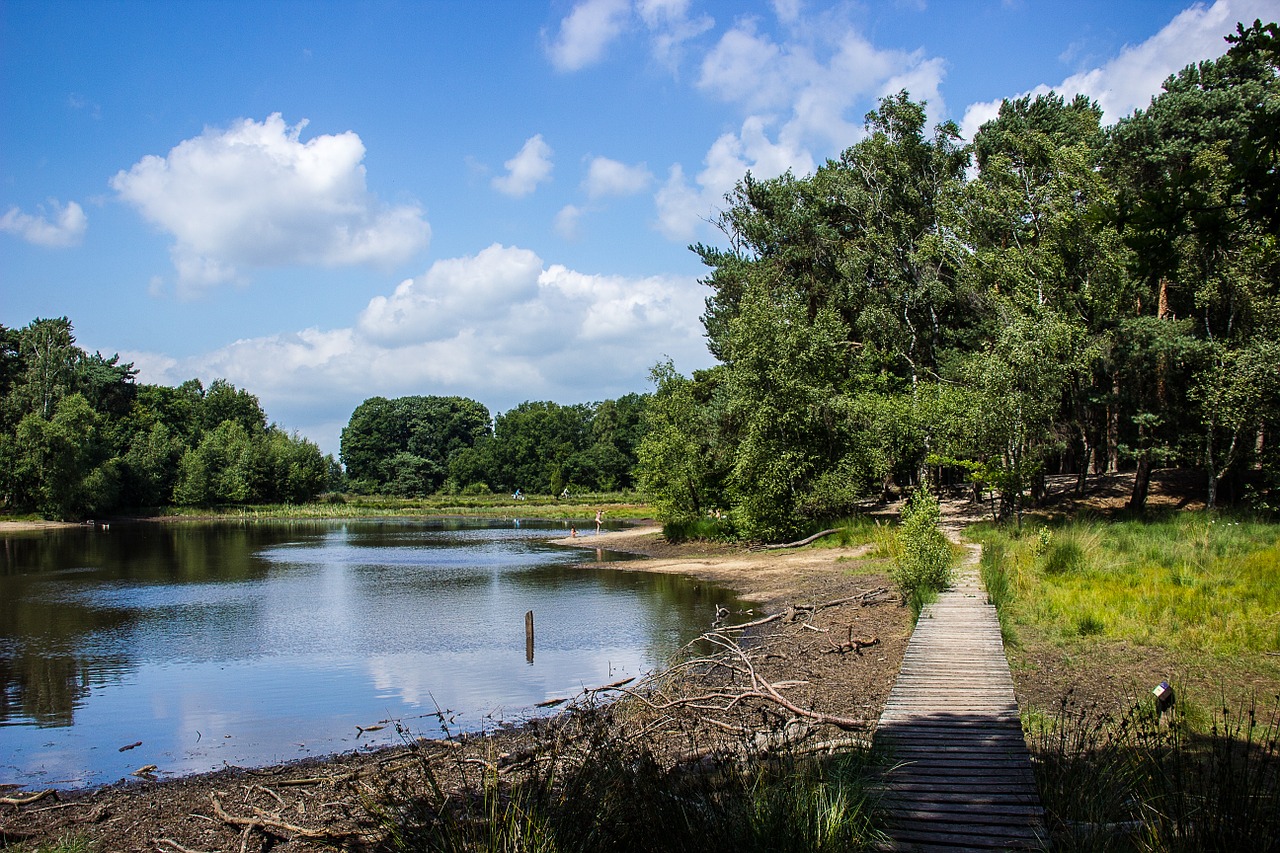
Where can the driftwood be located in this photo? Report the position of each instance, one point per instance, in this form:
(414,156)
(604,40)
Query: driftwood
(797,544)
(24,799)
(264,822)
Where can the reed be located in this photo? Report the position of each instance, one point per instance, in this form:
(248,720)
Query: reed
(1194,781)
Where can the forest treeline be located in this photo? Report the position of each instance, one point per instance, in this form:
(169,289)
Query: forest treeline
(414,446)
(1057,296)
(80,437)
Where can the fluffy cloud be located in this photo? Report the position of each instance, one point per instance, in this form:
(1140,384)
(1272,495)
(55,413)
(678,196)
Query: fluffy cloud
(531,166)
(60,227)
(670,27)
(607,177)
(255,195)
(586,32)
(684,206)
(499,326)
(802,96)
(1129,81)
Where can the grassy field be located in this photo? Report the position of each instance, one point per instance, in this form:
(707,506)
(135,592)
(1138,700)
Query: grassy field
(616,505)
(1196,595)
(1190,583)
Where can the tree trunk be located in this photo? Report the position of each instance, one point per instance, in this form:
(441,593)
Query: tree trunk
(1141,484)
(1113,426)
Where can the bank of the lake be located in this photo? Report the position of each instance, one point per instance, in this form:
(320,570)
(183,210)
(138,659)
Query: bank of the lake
(338,792)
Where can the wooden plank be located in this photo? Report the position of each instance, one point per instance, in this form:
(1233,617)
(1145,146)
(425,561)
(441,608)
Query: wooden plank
(964,779)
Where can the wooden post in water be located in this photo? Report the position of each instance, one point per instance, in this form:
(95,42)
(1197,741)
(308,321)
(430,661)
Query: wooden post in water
(528,636)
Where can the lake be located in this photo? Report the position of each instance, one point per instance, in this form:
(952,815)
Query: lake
(192,646)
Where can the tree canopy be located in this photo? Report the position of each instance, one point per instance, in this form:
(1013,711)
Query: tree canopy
(79,436)
(1057,296)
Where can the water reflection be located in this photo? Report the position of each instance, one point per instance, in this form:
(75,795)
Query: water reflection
(258,643)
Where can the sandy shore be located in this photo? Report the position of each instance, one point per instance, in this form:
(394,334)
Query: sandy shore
(21,526)
(762,576)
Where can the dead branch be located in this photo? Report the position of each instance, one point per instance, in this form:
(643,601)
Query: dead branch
(279,799)
(264,821)
(175,845)
(27,799)
(798,544)
(853,644)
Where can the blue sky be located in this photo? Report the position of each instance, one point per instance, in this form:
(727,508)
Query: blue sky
(326,201)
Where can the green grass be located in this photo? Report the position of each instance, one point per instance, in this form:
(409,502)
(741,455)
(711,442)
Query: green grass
(617,506)
(1199,590)
(1210,583)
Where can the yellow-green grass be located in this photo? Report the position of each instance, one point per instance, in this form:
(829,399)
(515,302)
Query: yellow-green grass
(1192,581)
(617,506)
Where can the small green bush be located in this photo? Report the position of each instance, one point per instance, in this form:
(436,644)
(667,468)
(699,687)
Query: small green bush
(924,566)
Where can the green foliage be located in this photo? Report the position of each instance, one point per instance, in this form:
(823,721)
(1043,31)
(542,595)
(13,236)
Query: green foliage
(923,566)
(404,446)
(697,530)
(79,437)
(681,465)
(1087,298)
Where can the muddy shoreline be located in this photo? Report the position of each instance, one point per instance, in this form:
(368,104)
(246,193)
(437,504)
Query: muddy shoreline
(334,793)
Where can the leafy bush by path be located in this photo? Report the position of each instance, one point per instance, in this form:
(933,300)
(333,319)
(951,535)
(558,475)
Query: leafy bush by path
(923,568)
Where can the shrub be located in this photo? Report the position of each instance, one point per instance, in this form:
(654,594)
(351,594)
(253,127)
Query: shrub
(924,565)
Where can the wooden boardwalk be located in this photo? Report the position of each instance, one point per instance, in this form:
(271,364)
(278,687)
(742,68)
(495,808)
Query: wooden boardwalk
(962,778)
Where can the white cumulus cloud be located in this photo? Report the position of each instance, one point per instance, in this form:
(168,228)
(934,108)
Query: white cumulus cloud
(255,195)
(531,166)
(500,326)
(1135,75)
(606,177)
(586,32)
(802,93)
(59,227)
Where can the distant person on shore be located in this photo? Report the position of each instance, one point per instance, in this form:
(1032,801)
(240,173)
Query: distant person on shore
(599,520)
(573,533)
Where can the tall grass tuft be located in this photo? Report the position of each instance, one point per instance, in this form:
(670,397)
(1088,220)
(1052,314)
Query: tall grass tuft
(1134,782)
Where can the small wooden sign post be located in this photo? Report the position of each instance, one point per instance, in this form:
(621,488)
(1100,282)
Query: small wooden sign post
(528,636)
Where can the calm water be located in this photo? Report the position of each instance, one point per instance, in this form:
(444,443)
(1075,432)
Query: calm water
(253,644)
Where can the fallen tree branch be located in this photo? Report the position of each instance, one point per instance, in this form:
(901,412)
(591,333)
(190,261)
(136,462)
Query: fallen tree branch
(265,821)
(797,544)
(22,800)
